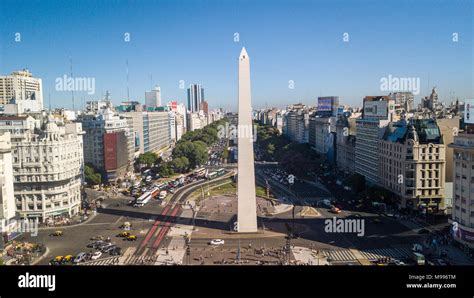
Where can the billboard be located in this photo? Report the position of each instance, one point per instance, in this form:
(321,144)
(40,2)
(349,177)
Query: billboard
(115,150)
(469,111)
(328,103)
(376,109)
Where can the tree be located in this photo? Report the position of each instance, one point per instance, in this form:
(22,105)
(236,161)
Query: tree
(357,183)
(270,149)
(91,176)
(148,159)
(165,170)
(180,164)
(195,152)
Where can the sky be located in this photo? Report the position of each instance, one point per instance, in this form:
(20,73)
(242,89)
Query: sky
(296,48)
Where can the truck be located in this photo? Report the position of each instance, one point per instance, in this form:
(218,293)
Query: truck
(419,258)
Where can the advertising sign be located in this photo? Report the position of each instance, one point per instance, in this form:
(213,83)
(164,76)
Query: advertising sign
(376,109)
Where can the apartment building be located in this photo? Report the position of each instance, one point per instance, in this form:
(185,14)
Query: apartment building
(412,165)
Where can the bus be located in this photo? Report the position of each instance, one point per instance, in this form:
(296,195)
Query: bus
(162,186)
(144,199)
(220,172)
(211,175)
(200,172)
(155,192)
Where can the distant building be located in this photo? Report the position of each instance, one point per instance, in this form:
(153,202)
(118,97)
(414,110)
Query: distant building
(404,99)
(376,115)
(153,98)
(204,107)
(21,88)
(296,123)
(195,97)
(327,106)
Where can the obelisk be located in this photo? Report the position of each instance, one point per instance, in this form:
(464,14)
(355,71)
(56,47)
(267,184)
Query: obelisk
(247,202)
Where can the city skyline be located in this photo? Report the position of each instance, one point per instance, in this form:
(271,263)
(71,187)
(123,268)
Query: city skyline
(173,56)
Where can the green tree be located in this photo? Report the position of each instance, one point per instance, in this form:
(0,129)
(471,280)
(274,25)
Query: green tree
(148,159)
(270,149)
(180,164)
(165,170)
(91,176)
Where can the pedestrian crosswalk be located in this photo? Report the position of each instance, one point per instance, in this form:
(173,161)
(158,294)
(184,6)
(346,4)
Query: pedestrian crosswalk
(345,255)
(396,253)
(339,255)
(102,262)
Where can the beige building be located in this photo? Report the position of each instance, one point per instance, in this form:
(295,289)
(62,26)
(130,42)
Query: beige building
(412,165)
(463,176)
(22,88)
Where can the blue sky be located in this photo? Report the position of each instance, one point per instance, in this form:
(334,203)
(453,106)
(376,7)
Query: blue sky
(193,40)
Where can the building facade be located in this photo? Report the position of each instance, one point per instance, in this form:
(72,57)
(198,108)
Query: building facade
(195,97)
(412,165)
(109,142)
(21,88)
(47,166)
(7,198)
(463,179)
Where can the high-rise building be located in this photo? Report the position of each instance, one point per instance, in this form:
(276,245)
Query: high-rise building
(412,165)
(404,99)
(109,142)
(377,113)
(153,98)
(296,123)
(463,177)
(21,88)
(7,198)
(47,166)
(195,97)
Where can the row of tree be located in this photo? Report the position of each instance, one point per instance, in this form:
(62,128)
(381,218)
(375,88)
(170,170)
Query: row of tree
(298,159)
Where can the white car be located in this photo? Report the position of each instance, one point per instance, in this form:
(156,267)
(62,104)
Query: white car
(96,255)
(216,242)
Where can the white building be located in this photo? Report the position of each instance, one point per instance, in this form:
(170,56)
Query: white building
(47,166)
(153,98)
(7,198)
(22,88)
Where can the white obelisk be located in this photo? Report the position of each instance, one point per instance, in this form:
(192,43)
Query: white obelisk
(247,202)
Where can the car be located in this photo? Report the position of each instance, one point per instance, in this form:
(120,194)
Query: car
(116,251)
(102,248)
(216,242)
(96,255)
(57,260)
(57,233)
(131,238)
(81,257)
(68,258)
(108,249)
(123,234)
(335,210)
